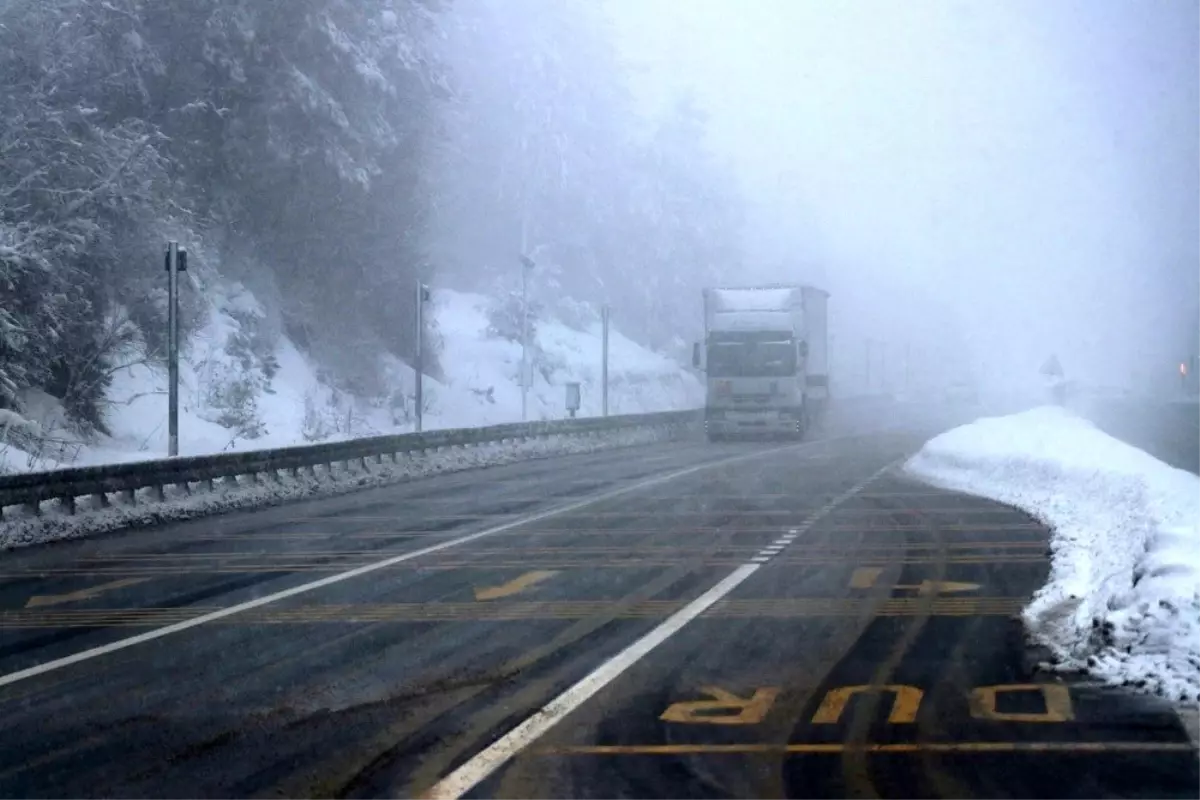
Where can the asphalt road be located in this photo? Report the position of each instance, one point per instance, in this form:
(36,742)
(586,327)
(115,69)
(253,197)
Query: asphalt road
(682,619)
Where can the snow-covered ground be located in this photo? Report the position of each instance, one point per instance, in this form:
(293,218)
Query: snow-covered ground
(228,402)
(1123,597)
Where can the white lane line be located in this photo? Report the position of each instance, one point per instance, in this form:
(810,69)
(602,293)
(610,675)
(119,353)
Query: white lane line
(213,616)
(466,777)
(499,752)
(760,559)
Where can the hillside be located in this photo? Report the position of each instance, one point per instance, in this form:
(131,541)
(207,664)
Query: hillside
(241,388)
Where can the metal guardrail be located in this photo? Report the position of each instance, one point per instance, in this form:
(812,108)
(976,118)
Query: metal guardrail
(31,489)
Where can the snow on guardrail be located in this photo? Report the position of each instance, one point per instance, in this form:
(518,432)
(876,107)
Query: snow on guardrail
(70,503)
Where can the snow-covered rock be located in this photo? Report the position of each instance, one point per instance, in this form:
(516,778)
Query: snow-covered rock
(1123,597)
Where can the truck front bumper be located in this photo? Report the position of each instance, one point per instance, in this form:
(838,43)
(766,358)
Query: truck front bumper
(726,423)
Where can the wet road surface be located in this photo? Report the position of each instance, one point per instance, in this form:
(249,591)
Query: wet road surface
(741,619)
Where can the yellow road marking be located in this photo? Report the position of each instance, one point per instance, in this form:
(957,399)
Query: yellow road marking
(159,570)
(904,707)
(725,708)
(848,550)
(1055,696)
(916,747)
(940,587)
(515,586)
(865,577)
(781,608)
(41,600)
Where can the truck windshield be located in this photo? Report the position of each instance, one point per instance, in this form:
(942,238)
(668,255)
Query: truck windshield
(751,359)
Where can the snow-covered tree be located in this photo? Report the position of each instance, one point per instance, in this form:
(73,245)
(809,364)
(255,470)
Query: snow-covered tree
(288,137)
(546,155)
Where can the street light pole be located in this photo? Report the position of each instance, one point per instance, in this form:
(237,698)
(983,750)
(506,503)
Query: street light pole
(176,262)
(868,391)
(604,315)
(422,296)
(907,367)
(526,265)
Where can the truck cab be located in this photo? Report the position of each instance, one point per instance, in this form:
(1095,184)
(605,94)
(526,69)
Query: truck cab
(758,354)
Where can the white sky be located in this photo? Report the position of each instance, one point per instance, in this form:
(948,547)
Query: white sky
(1026,170)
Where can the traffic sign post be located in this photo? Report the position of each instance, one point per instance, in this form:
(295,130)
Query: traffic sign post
(573,398)
(1052,371)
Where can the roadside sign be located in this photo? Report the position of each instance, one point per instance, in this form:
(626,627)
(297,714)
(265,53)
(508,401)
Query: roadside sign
(573,397)
(1052,369)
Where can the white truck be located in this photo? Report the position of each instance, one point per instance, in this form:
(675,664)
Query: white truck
(766,355)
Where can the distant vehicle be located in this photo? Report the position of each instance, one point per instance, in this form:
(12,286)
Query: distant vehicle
(765,352)
(962,393)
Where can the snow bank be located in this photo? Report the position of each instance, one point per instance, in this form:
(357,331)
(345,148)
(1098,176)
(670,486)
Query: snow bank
(54,524)
(1123,597)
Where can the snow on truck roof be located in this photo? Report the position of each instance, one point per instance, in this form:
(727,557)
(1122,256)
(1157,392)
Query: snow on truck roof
(758,298)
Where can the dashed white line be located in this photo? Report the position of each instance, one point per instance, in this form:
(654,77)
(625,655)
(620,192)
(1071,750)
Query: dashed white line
(496,755)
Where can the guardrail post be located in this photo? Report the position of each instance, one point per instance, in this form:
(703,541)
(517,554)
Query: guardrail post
(68,502)
(34,507)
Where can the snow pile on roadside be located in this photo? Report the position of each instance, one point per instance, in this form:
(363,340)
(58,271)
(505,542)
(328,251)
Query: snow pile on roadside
(19,530)
(1123,597)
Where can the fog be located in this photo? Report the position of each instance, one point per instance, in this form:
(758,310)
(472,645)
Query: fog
(978,184)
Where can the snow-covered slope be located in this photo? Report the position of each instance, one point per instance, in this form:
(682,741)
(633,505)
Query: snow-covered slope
(1123,597)
(482,371)
(234,395)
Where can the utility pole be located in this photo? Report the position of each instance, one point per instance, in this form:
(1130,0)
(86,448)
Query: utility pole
(176,262)
(422,297)
(907,367)
(604,315)
(868,391)
(883,371)
(526,265)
